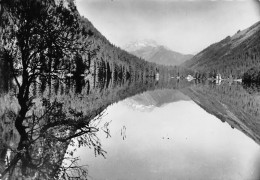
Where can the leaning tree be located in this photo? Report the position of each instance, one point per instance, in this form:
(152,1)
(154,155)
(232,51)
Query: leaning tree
(39,38)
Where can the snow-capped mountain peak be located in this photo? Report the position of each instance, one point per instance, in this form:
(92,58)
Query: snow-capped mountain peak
(136,45)
(150,51)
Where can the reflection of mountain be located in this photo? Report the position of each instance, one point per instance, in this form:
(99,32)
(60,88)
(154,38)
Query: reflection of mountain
(152,52)
(231,104)
(147,101)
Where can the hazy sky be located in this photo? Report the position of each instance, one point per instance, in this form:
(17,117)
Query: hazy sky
(185,26)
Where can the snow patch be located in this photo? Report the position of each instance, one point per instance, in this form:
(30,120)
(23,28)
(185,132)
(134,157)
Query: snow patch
(136,45)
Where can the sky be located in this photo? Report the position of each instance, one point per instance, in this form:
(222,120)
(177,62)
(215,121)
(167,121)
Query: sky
(186,26)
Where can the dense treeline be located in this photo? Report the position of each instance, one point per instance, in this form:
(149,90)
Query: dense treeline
(252,75)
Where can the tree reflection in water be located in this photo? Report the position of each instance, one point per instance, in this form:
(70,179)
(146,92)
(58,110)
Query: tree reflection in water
(47,130)
(60,114)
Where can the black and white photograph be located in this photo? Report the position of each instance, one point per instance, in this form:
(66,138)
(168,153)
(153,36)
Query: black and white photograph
(129,89)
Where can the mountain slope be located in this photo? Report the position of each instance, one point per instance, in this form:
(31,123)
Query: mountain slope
(152,52)
(232,55)
(114,61)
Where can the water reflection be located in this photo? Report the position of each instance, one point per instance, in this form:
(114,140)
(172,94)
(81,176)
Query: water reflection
(180,140)
(151,99)
(177,141)
(232,103)
(57,113)
(65,115)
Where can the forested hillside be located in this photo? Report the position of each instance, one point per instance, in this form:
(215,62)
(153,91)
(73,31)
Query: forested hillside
(232,56)
(88,53)
(109,58)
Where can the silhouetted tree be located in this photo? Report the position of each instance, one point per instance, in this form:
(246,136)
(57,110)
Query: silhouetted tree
(39,39)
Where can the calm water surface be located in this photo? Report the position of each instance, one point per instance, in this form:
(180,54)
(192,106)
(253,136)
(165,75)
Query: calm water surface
(148,130)
(172,140)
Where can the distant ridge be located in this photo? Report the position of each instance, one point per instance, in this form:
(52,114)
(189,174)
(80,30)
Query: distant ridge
(152,52)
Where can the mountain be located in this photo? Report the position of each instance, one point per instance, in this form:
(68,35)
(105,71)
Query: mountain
(136,45)
(123,62)
(231,56)
(152,52)
(148,100)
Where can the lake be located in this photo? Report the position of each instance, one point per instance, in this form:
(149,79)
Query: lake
(167,129)
(172,140)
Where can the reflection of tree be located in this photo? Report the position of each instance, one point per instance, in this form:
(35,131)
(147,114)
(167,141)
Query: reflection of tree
(40,40)
(57,120)
(49,130)
(252,88)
